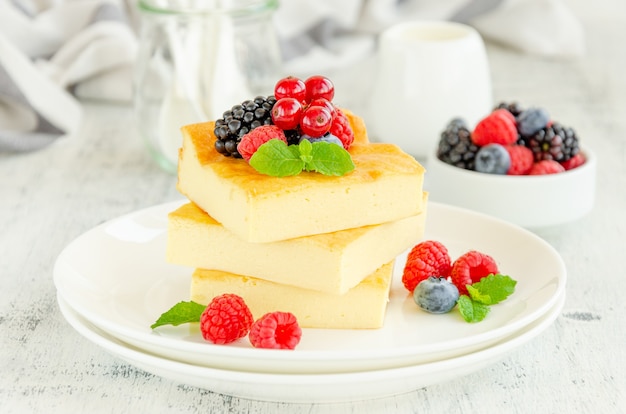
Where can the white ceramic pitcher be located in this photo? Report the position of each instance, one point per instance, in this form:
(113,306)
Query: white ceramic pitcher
(427,74)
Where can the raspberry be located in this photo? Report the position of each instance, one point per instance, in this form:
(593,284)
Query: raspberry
(226,319)
(341,128)
(428,258)
(576,161)
(254,139)
(522,159)
(470,268)
(546,167)
(275,330)
(497,128)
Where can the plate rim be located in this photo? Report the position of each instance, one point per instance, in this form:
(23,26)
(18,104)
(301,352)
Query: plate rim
(306,355)
(475,360)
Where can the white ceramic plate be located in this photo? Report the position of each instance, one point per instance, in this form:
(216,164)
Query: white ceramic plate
(116,277)
(319,388)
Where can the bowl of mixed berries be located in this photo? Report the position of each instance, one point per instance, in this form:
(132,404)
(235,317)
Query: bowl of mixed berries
(517,164)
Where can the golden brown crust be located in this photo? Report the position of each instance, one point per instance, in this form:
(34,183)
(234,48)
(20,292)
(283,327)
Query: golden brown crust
(371,160)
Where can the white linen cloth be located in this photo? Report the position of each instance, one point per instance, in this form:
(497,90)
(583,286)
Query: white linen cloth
(55,52)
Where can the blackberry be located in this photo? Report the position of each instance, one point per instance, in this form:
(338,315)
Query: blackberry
(293,136)
(456,146)
(512,107)
(239,120)
(554,142)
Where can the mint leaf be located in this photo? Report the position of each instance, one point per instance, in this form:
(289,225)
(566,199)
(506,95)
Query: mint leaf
(330,159)
(182,312)
(492,289)
(306,149)
(277,159)
(477,296)
(472,311)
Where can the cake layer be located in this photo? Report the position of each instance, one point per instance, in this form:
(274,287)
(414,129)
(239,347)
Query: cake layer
(386,185)
(363,307)
(331,262)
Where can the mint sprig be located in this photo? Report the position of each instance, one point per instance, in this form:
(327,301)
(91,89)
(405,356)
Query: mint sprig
(471,310)
(277,159)
(182,312)
(490,290)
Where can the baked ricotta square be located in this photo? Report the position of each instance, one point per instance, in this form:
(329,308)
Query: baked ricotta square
(331,262)
(385,186)
(363,307)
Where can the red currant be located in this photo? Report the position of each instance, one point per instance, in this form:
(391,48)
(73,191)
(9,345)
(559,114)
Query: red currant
(319,87)
(315,121)
(290,87)
(286,113)
(325,103)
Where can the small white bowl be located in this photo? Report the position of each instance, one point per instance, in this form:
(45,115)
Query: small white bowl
(531,201)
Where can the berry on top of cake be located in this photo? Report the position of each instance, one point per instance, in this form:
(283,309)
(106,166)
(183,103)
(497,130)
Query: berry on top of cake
(319,176)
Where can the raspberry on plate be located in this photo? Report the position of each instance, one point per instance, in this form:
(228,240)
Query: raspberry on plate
(275,330)
(226,319)
(546,167)
(428,258)
(497,128)
(254,139)
(522,159)
(470,268)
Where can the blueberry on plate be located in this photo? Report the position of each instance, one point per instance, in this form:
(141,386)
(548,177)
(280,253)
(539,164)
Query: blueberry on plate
(492,159)
(436,295)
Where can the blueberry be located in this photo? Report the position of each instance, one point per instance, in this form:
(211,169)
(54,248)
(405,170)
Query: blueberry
(326,138)
(530,121)
(492,159)
(436,295)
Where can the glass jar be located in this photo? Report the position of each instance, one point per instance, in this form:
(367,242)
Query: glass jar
(196,60)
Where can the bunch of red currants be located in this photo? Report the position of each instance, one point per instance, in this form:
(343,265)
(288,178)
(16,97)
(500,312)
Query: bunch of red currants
(306,105)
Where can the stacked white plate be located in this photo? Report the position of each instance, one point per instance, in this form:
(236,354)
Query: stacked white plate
(113,283)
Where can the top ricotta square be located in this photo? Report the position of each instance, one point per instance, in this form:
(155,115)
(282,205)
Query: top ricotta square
(386,185)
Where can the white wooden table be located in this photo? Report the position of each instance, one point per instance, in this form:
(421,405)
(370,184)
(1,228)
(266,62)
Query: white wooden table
(578,365)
